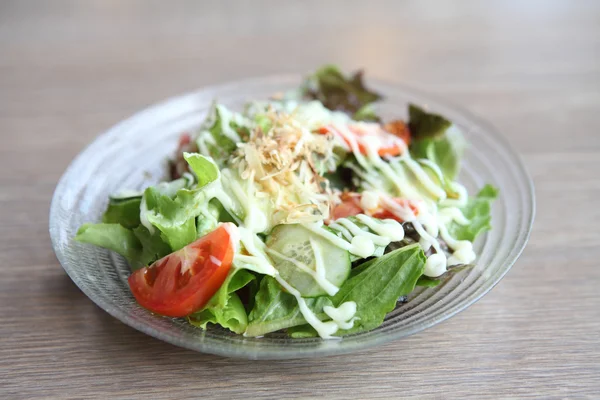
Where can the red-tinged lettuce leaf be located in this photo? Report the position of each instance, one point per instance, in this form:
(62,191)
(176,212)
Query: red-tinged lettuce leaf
(337,92)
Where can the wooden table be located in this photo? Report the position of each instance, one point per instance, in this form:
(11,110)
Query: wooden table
(69,70)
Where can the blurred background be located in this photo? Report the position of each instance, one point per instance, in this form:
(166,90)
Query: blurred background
(100,61)
(69,70)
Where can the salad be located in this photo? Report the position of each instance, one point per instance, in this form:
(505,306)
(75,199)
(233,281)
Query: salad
(305,214)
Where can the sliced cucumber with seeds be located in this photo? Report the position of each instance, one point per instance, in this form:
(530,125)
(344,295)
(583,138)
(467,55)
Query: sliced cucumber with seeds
(294,256)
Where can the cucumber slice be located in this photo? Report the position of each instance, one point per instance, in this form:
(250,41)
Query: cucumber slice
(293,242)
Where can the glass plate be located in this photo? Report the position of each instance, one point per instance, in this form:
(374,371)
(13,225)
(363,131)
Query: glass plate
(133,155)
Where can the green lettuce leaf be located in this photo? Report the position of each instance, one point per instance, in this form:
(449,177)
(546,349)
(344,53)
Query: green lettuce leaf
(366,113)
(445,151)
(175,218)
(329,85)
(426,281)
(154,247)
(478,212)
(219,122)
(225,308)
(174,214)
(302,332)
(275,309)
(377,287)
(436,139)
(424,125)
(233,316)
(114,237)
(125,212)
(206,171)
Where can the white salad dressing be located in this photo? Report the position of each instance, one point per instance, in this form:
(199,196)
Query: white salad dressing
(205,139)
(318,274)
(369,200)
(342,315)
(324,329)
(429,223)
(358,241)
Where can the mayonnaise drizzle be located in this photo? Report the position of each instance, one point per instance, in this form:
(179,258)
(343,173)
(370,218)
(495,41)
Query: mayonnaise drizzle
(358,241)
(429,224)
(324,329)
(318,274)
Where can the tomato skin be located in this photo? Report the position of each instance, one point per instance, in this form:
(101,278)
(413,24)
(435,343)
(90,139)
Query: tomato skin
(388,143)
(162,287)
(387,214)
(399,129)
(351,206)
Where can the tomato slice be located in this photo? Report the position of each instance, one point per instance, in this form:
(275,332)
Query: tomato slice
(369,135)
(400,129)
(383,213)
(351,205)
(184,281)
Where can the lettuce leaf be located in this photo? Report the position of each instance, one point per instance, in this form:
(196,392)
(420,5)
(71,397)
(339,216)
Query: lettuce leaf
(175,215)
(205,170)
(154,246)
(125,212)
(225,308)
(232,316)
(329,85)
(478,212)
(175,218)
(302,332)
(445,151)
(214,135)
(377,287)
(275,309)
(114,237)
(436,139)
(425,125)
(426,281)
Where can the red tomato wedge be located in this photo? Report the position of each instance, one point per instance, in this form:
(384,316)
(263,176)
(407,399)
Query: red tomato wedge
(351,205)
(369,135)
(184,281)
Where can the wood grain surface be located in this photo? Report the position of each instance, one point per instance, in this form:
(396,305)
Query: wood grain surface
(70,70)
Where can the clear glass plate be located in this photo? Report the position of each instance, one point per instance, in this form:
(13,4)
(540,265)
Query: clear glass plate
(133,155)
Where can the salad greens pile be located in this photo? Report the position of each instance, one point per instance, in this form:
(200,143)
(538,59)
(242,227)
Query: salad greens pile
(307,214)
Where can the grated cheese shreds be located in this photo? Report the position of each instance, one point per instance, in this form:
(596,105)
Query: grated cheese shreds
(282,164)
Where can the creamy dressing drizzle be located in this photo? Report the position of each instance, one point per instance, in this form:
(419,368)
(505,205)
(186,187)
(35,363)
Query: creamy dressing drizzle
(320,270)
(205,138)
(342,315)
(324,329)
(429,223)
(356,240)
(318,276)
